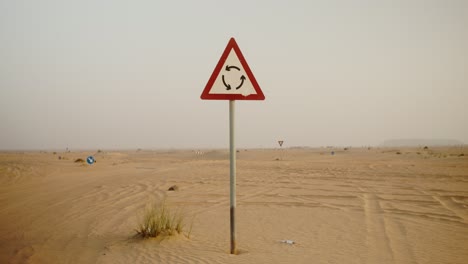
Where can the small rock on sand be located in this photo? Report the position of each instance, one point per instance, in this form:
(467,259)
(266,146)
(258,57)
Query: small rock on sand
(173,188)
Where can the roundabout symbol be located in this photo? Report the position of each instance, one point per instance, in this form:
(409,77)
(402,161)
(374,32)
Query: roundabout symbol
(242,78)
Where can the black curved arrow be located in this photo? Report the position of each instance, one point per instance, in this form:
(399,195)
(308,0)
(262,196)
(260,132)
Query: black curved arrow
(242,82)
(228,86)
(228,68)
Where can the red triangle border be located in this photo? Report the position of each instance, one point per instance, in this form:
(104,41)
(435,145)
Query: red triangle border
(232,44)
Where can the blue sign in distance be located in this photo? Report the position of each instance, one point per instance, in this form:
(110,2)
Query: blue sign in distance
(90,160)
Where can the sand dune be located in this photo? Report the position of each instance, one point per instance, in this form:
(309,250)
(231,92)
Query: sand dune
(357,206)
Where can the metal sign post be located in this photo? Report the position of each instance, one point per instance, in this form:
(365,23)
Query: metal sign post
(280,142)
(232,80)
(232,172)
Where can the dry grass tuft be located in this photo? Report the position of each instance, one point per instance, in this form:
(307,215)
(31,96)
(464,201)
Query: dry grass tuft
(159,220)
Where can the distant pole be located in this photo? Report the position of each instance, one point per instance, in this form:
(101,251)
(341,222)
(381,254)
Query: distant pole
(281,151)
(232,148)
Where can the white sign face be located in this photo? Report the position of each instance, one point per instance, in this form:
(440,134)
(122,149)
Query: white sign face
(232,79)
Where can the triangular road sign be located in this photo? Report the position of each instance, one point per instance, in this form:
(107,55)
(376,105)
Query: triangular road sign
(232,78)
(280,142)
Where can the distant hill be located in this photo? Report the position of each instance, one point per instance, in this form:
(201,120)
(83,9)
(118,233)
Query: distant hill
(421,142)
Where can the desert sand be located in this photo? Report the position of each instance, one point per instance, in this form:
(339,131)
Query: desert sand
(357,206)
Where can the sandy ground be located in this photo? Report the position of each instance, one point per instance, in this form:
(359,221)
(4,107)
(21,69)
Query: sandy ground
(357,206)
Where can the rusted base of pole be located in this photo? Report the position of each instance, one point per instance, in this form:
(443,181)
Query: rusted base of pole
(233,231)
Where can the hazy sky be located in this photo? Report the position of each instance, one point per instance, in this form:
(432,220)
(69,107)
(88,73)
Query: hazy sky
(129,74)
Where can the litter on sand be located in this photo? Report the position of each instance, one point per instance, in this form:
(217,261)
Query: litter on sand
(289,242)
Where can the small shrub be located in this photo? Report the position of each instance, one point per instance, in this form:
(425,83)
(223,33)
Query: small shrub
(398,153)
(425,147)
(79,160)
(461,155)
(159,220)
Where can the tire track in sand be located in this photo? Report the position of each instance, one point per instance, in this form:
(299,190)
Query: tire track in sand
(378,241)
(450,204)
(386,237)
